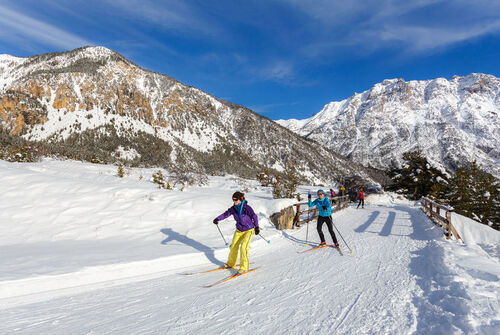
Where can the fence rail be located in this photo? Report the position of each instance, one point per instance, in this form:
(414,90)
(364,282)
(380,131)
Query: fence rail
(436,212)
(338,203)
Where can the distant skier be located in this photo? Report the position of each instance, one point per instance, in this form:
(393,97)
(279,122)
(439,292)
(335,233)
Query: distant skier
(324,216)
(333,195)
(246,224)
(342,190)
(361,197)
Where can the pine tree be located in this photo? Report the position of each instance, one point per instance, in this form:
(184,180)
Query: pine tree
(264,177)
(292,180)
(460,193)
(417,178)
(475,193)
(277,187)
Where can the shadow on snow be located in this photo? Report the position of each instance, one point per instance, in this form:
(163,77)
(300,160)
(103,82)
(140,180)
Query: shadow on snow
(174,236)
(443,303)
(371,219)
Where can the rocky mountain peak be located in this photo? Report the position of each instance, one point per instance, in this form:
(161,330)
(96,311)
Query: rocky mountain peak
(453,122)
(100,104)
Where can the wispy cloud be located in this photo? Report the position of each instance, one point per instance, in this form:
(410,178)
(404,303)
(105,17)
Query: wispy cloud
(370,25)
(174,15)
(423,39)
(282,71)
(17,26)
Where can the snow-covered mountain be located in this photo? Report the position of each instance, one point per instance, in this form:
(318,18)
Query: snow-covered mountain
(94,100)
(453,122)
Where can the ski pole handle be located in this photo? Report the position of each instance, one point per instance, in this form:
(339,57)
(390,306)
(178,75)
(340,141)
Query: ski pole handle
(222,235)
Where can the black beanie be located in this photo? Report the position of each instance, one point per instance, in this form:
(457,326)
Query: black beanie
(239,196)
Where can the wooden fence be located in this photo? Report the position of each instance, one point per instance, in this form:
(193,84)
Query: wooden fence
(441,215)
(338,203)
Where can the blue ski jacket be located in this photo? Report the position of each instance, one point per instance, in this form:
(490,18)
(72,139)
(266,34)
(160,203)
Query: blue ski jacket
(244,215)
(320,204)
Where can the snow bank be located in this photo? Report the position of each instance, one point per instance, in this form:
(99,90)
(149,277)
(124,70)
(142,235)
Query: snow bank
(473,232)
(77,241)
(387,199)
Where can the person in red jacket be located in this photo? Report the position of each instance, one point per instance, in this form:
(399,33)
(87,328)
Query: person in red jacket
(361,197)
(332,193)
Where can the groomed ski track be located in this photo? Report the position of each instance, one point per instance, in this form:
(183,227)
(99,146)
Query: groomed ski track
(395,282)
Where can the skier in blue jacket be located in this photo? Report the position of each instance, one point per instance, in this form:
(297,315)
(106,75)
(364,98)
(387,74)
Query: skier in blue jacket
(324,216)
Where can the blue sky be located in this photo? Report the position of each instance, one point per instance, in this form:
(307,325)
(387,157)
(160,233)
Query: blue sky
(281,58)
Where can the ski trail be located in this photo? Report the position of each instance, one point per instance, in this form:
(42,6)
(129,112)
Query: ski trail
(372,291)
(347,311)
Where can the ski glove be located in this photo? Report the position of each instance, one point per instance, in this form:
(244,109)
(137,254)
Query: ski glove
(324,208)
(257,230)
(216,221)
(309,197)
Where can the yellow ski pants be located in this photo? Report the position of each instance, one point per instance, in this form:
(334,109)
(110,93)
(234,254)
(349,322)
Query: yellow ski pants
(241,240)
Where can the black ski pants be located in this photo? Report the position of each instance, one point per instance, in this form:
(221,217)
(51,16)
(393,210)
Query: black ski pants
(328,221)
(362,203)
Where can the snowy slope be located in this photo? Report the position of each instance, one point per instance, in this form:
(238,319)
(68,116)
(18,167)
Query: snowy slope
(453,122)
(85,252)
(92,101)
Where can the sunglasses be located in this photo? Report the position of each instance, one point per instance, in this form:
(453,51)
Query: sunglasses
(320,194)
(235,199)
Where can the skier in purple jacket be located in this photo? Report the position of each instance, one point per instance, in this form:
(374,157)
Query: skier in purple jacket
(247,224)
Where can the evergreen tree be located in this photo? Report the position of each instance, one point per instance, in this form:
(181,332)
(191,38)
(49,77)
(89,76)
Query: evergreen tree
(475,193)
(286,186)
(417,178)
(292,180)
(278,187)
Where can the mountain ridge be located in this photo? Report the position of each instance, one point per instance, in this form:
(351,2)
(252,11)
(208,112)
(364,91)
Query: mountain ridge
(453,122)
(96,101)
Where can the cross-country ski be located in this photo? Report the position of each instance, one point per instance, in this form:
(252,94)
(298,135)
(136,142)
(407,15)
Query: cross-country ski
(315,248)
(211,270)
(238,274)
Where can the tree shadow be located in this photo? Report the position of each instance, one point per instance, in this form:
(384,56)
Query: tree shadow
(174,236)
(421,232)
(365,225)
(386,229)
(442,304)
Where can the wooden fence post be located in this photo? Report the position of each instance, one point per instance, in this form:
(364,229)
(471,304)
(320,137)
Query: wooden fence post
(296,219)
(450,226)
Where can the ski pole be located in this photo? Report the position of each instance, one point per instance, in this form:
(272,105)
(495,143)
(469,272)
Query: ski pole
(222,235)
(268,241)
(341,235)
(308,217)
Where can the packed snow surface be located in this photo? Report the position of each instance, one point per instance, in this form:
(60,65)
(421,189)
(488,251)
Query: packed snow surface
(83,251)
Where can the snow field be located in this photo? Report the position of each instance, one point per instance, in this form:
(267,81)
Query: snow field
(85,252)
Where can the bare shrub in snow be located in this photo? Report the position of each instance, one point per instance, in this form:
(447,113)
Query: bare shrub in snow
(121,171)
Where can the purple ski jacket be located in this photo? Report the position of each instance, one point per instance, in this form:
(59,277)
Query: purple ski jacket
(245,220)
